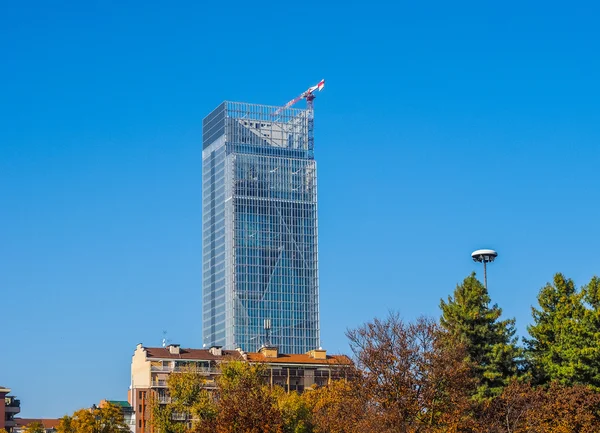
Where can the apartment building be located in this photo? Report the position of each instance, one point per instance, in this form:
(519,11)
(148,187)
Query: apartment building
(151,366)
(9,407)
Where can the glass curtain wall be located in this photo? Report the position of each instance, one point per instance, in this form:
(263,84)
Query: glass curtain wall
(259,229)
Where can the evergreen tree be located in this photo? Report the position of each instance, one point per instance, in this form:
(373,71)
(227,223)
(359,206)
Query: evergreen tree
(563,343)
(591,352)
(490,342)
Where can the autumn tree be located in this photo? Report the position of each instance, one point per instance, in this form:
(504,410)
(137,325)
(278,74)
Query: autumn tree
(65,425)
(189,399)
(295,411)
(509,412)
(490,342)
(566,409)
(244,402)
(341,407)
(106,419)
(415,374)
(35,427)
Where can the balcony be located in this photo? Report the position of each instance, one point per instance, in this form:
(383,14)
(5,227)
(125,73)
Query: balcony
(177,416)
(12,405)
(163,399)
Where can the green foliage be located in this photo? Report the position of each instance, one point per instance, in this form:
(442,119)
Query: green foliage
(490,342)
(564,336)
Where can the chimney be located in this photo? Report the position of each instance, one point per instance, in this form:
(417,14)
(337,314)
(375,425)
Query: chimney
(244,354)
(173,349)
(216,350)
(318,353)
(269,351)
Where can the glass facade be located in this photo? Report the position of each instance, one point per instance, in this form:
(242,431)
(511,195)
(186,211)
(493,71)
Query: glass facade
(259,198)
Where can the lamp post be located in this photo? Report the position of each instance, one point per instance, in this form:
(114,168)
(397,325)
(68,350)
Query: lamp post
(485,257)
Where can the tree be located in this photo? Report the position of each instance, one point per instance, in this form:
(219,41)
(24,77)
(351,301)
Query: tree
(565,409)
(590,353)
(295,411)
(65,425)
(557,408)
(557,335)
(509,412)
(35,427)
(563,344)
(110,419)
(107,419)
(190,399)
(244,403)
(341,407)
(415,374)
(490,342)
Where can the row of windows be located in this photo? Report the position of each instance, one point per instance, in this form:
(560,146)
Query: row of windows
(249,149)
(278,223)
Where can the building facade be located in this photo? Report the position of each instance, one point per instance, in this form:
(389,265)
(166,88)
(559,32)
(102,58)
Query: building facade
(260,256)
(151,367)
(9,407)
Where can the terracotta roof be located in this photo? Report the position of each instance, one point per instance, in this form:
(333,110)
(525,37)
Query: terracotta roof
(195,354)
(300,359)
(46,422)
(205,355)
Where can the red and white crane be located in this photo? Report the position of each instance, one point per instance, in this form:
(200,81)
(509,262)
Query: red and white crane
(307,94)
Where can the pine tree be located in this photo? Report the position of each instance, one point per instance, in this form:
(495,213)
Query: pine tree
(490,342)
(590,355)
(563,343)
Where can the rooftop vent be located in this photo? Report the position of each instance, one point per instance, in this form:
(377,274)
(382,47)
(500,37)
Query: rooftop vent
(318,353)
(269,351)
(216,350)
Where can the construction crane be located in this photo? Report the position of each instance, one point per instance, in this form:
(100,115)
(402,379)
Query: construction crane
(307,94)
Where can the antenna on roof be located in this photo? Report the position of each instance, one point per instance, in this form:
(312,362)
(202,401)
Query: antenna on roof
(267,326)
(165,340)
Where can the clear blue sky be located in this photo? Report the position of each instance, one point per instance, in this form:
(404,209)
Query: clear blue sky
(444,127)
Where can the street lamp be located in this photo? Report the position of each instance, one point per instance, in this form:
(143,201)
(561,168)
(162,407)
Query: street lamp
(485,257)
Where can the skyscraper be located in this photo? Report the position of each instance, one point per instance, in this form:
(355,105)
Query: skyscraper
(259,213)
